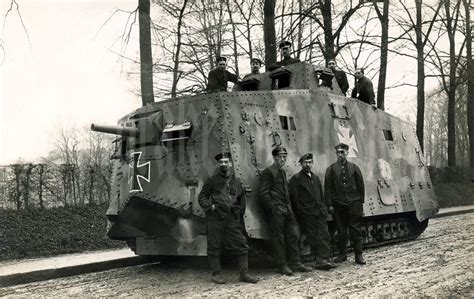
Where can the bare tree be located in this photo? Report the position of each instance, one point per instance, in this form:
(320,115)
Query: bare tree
(468,7)
(269,32)
(146,57)
(447,65)
(416,23)
(28,169)
(17,192)
(13,7)
(383,17)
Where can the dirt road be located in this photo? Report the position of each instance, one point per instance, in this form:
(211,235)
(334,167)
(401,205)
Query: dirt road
(439,263)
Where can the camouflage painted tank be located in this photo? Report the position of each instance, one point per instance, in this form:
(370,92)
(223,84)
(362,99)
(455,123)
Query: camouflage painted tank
(165,153)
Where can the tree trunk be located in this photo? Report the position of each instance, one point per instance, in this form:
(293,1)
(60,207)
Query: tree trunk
(17,170)
(234,37)
(146,59)
(27,185)
(91,186)
(451,88)
(470,83)
(383,17)
(329,52)
(269,32)
(40,187)
(420,88)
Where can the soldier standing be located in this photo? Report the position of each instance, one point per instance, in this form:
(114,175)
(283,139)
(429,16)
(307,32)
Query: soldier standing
(307,199)
(340,76)
(285,49)
(273,192)
(344,188)
(255,65)
(364,89)
(218,77)
(223,199)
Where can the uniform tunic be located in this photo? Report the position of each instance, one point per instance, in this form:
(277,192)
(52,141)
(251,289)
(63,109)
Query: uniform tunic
(223,224)
(274,195)
(284,62)
(218,78)
(364,91)
(341,79)
(344,188)
(307,200)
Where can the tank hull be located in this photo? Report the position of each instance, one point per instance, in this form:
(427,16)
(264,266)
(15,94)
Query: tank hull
(156,183)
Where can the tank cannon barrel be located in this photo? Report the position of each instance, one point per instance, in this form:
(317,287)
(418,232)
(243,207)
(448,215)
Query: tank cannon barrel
(117,130)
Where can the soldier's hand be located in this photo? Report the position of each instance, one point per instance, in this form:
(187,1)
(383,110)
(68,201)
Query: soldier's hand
(331,209)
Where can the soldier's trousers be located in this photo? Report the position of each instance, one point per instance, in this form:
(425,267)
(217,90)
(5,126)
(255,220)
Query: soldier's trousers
(226,232)
(315,227)
(284,238)
(349,217)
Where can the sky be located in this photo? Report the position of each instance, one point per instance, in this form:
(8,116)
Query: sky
(66,74)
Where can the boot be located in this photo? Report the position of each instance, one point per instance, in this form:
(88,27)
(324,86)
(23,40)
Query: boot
(324,265)
(359,259)
(342,257)
(244,270)
(358,252)
(215,263)
(300,267)
(285,270)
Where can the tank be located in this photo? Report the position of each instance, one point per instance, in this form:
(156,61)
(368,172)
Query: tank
(165,152)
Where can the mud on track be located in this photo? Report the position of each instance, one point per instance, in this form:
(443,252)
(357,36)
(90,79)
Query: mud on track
(439,263)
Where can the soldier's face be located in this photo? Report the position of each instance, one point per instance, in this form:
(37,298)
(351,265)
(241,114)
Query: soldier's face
(255,66)
(224,165)
(341,155)
(306,165)
(280,160)
(285,51)
(221,65)
(332,64)
(358,74)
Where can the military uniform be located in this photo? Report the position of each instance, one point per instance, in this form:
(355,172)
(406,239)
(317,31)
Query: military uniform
(284,62)
(307,200)
(218,78)
(273,192)
(223,199)
(364,91)
(344,188)
(341,79)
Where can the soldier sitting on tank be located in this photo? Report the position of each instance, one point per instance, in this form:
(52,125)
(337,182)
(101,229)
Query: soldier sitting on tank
(344,190)
(218,77)
(223,199)
(363,90)
(340,76)
(307,200)
(255,65)
(273,193)
(285,49)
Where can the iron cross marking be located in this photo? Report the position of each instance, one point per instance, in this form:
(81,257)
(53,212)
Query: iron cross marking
(138,172)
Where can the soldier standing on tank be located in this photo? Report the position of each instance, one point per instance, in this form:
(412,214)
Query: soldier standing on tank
(255,65)
(223,199)
(218,77)
(340,76)
(306,194)
(285,49)
(364,89)
(344,189)
(274,195)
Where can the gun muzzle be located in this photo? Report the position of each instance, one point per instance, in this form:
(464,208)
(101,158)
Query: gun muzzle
(117,130)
